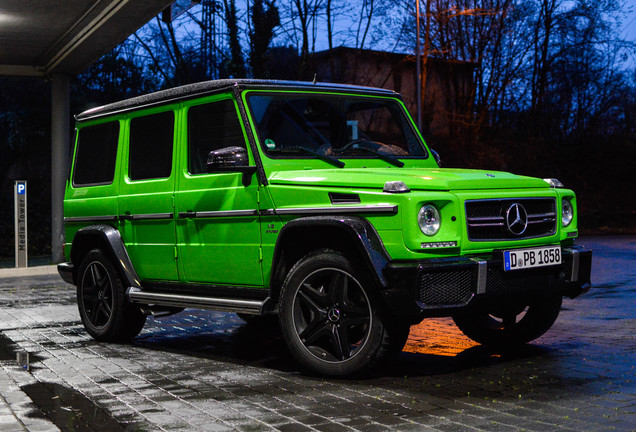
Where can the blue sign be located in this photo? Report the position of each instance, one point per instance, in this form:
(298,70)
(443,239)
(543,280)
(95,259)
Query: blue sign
(21,188)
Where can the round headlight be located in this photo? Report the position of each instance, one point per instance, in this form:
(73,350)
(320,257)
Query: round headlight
(567,212)
(429,220)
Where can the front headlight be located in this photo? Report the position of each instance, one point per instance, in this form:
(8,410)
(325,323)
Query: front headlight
(429,220)
(567,212)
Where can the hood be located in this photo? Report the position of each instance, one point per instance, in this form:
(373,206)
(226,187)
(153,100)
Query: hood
(434,179)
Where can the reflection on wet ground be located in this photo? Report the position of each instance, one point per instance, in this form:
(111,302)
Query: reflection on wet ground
(70,410)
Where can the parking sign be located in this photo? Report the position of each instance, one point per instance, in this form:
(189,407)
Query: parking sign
(20,203)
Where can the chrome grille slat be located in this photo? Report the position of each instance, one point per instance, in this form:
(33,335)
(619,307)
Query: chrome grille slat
(486,220)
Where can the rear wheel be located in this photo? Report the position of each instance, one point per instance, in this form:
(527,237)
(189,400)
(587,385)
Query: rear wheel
(332,319)
(511,325)
(101,298)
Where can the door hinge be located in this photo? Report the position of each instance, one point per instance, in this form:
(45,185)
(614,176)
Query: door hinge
(175,253)
(260,254)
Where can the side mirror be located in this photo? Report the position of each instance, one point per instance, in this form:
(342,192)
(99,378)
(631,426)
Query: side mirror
(227,158)
(231,159)
(437,158)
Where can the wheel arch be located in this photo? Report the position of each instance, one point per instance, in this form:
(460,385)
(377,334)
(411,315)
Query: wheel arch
(108,239)
(351,235)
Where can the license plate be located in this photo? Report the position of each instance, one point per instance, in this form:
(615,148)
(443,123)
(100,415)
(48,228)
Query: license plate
(518,259)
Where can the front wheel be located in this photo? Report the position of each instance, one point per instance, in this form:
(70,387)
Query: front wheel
(101,299)
(511,325)
(332,320)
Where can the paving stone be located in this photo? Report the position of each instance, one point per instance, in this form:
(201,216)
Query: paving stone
(208,371)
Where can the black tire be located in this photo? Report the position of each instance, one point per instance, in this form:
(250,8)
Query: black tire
(101,298)
(332,320)
(510,326)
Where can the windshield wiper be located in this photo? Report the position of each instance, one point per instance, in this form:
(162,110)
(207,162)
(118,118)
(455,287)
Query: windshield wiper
(383,156)
(323,157)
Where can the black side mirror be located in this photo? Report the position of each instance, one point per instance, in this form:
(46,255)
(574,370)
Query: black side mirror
(231,159)
(437,158)
(226,158)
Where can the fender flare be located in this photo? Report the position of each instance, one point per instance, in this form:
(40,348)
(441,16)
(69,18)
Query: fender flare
(357,229)
(110,238)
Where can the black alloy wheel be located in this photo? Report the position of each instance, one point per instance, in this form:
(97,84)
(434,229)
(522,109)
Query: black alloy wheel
(332,319)
(332,314)
(101,299)
(97,294)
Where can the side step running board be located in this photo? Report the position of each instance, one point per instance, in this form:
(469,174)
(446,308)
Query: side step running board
(253,307)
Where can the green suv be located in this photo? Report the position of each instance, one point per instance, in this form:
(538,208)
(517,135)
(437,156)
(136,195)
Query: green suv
(319,203)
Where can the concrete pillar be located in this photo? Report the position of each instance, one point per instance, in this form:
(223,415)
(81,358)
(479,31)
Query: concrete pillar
(60,145)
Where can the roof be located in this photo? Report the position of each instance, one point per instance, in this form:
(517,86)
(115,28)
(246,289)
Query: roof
(203,88)
(43,37)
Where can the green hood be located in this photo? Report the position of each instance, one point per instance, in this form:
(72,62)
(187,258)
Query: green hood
(434,179)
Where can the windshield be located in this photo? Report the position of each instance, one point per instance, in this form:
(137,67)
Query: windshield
(335,126)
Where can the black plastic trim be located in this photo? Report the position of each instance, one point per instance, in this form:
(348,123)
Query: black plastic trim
(403,278)
(112,238)
(360,232)
(66,271)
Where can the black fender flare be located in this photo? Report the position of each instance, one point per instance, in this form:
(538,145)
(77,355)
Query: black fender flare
(357,230)
(110,238)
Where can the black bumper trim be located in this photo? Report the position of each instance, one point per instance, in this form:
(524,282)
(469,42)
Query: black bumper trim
(439,286)
(66,270)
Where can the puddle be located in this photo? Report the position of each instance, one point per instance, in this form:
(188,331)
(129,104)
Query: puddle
(70,410)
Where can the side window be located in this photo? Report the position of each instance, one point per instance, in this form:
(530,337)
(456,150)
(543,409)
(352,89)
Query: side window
(150,148)
(211,126)
(96,154)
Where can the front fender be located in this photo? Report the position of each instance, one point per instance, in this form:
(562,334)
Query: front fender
(355,230)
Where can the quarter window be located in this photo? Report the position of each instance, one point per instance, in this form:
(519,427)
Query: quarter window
(96,154)
(150,148)
(211,127)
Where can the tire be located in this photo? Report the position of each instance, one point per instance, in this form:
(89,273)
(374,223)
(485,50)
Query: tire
(101,298)
(510,326)
(332,320)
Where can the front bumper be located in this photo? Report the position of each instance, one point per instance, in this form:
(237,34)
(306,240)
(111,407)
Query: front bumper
(441,286)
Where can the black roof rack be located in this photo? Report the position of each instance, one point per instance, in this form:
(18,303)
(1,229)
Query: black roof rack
(215,86)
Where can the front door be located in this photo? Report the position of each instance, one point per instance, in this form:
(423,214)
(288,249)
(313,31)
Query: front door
(146,205)
(218,227)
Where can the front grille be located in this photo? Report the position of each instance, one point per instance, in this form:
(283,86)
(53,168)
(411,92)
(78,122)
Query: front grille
(500,282)
(486,219)
(446,288)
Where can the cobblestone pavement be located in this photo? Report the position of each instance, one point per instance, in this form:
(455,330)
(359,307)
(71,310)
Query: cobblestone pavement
(209,371)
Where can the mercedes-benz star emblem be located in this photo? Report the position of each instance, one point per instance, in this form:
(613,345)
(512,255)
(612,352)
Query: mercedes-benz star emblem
(517,219)
(333,315)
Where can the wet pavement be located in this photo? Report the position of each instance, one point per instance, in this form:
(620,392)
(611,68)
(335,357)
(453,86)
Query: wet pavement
(209,371)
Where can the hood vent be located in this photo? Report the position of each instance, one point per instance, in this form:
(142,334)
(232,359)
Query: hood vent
(344,198)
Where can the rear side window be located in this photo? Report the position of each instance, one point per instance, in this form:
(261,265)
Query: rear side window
(150,148)
(96,154)
(211,126)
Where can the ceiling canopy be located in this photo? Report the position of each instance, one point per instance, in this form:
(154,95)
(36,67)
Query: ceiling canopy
(43,37)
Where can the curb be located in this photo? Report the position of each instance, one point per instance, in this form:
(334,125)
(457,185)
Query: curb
(47,270)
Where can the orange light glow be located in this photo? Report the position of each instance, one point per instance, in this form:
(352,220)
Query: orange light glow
(437,336)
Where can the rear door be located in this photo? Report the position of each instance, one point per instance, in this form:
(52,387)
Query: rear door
(218,229)
(146,203)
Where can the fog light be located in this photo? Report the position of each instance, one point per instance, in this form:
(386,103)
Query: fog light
(444,244)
